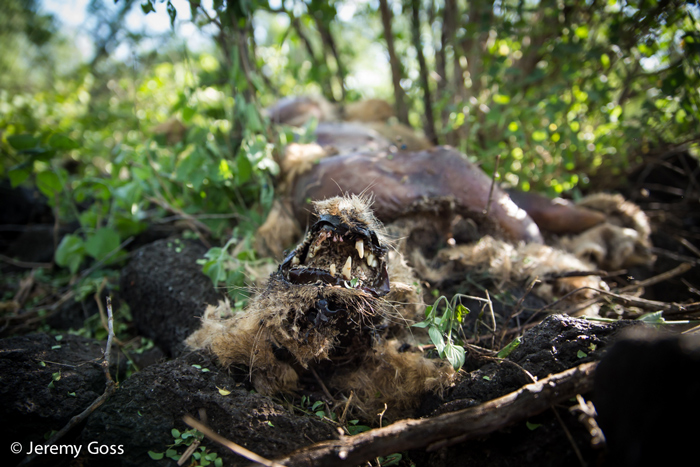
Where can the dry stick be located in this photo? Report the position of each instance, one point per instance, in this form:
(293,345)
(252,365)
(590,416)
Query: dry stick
(493,184)
(689,245)
(24,264)
(678,270)
(577,451)
(240,450)
(110,387)
(450,428)
(642,303)
(323,386)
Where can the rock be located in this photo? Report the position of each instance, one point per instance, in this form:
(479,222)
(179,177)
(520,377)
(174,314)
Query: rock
(140,416)
(167,291)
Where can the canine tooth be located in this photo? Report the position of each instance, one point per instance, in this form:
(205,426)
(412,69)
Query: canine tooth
(295,260)
(360,247)
(333,269)
(347,269)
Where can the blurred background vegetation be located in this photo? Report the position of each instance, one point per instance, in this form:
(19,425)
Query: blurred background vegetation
(121,127)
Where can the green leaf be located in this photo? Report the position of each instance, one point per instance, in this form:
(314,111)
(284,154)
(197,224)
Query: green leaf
(22,142)
(532,426)
(656,317)
(172,12)
(460,312)
(244,168)
(62,142)
(175,432)
(102,242)
(18,175)
(156,456)
(581,354)
(455,355)
(422,324)
(437,339)
(48,183)
(187,113)
(147,6)
(505,351)
(70,252)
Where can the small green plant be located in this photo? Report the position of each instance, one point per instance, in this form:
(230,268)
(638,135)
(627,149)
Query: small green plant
(202,457)
(440,328)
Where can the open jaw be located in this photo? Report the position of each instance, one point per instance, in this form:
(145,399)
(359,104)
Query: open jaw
(336,253)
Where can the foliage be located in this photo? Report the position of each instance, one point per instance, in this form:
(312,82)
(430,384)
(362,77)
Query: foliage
(561,90)
(440,328)
(202,457)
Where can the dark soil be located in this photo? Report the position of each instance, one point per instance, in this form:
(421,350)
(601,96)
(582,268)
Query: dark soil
(142,413)
(167,291)
(44,382)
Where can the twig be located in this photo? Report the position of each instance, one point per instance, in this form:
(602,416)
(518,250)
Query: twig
(323,386)
(24,264)
(516,310)
(110,387)
(493,184)
(450,428)
(678,270)
(345,410)
(570,438)
(240,450)
(689,245)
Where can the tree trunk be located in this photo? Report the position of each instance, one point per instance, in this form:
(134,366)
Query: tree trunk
(425,83)
(396,67)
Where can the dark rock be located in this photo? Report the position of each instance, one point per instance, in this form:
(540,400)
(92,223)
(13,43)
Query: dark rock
(142,413)
(647,389)
(31,408)
(167,291)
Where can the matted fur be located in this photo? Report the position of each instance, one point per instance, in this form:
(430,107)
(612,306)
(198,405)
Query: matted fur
(623,240)
(508,264)
(277,338)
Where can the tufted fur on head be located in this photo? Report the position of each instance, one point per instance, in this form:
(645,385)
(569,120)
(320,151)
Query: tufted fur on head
(334,305)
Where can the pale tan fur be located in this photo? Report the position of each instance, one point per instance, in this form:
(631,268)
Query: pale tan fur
(298,159)
(368,110)
(622,241)
(403,136)
(279,231)
(507,265)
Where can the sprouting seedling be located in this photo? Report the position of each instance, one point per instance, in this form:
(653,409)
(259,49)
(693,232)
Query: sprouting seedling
(440,327)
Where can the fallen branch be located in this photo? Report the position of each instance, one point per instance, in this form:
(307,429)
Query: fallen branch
(450,428)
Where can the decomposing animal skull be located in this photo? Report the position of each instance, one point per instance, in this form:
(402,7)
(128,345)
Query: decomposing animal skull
(337,305)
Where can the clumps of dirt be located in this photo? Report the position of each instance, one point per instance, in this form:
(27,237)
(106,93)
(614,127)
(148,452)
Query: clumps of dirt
(167,291)
(142,413)
(557,343)
(46,381)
